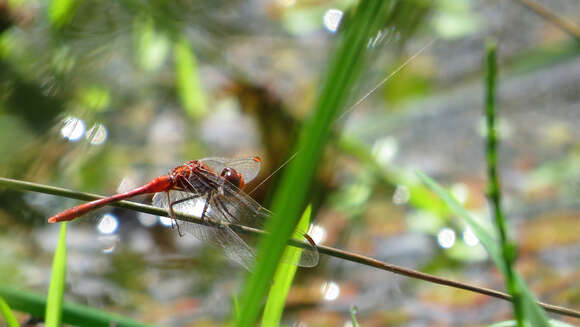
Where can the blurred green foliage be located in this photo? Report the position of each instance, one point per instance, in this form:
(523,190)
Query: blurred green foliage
(177,80)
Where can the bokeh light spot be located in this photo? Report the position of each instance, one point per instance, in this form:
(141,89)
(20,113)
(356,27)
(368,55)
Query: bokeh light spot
(317,233)
(331,19)
(73,129)
(330,291)
(385,150)
(469,237)
(165,221)
(97,135)
(108,224)
(446,238)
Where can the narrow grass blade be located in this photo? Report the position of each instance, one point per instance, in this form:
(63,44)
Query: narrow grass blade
(524,303)
(188,82)
(73,314)
(533,313)
(57,282)
(422,197)
(364,21)
(236,307)
(353,316)
(508,249)
(283,278)
(7,314)
(482,234)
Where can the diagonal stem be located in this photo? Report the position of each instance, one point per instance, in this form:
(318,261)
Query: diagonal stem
(547,14)
(334,252)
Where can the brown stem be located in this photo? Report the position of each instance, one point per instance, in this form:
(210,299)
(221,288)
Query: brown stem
(563,24)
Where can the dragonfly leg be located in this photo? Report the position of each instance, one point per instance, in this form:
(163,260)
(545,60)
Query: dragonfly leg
(206,206)
(171,204)
(174,223)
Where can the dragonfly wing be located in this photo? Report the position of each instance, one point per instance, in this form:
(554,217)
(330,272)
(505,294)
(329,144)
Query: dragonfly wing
(235,248)
(236,207)
(220,236)
(248,167)
(309,256)
(187,203)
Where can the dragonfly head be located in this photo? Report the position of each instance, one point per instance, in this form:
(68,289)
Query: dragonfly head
(233,176)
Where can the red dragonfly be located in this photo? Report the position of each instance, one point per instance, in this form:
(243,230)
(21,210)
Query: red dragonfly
(212,186)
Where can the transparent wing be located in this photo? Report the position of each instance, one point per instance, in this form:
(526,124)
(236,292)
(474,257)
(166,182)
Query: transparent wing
(237,207)
(187,203)
(248,167)
(217,235)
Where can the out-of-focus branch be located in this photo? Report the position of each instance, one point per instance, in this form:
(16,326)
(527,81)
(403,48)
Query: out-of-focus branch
(547,14)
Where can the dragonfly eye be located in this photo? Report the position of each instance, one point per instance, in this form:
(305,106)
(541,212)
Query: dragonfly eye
(233,176)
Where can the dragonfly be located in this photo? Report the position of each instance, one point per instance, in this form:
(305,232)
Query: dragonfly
(214,187)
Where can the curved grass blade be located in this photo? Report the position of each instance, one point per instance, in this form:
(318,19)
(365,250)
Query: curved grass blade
(363,22)
(8,315)
(57,282)
(283,278)
(72,314)
(532,312)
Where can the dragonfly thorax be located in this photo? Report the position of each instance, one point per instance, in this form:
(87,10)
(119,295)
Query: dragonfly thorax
(189,174)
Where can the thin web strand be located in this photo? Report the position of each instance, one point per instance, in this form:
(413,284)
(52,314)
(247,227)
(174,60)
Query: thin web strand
(352,107)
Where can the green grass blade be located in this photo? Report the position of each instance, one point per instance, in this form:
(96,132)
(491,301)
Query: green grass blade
(60,12)
(482,234)
(57,282)
(524,302)
(7,314)
(73,314)
(188,82)
(236,311)
(532,311)
(283,278)
(343,72)
(353,316)
(494,190)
